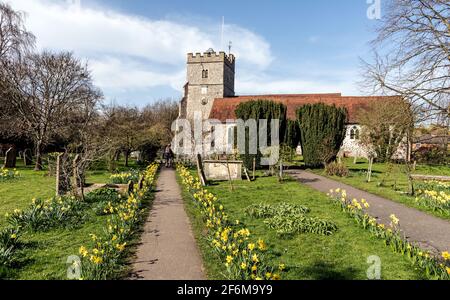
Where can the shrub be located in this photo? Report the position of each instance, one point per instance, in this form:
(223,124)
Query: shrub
(103,195)
(434,155)
(292,136)
(64,212)
(257,110)
(322,131)
(337,169)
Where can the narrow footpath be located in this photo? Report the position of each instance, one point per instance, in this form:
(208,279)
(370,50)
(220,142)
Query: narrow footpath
(168,250)
(429,232)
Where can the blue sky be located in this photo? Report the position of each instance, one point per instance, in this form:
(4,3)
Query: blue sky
(136,49)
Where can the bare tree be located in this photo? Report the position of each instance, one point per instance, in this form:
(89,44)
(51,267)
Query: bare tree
(145,130)
(162,114)
(386,125)
(125,129)
(45,90)
(15,40)
(15,43)
(412,56)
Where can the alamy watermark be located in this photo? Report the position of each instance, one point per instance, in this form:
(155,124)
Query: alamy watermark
(374,9)
(212,137)
(374,271)
(74,269)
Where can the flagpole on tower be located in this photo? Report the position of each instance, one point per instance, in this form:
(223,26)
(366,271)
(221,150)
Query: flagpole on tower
(222,33)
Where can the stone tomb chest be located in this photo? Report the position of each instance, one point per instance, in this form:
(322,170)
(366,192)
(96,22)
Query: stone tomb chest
(217,169)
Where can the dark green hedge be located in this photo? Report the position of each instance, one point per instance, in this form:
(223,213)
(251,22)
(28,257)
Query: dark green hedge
(322,130)
(292,136)
(261,109)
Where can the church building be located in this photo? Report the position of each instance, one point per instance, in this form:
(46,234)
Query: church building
(210,91)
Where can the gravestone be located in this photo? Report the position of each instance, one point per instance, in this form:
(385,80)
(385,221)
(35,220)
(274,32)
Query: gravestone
(10,158)
(200,170)
(223,170)
(27,157)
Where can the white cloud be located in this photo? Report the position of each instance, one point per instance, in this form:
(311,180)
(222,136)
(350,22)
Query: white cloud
(113,73)
(129,54)
(127,51)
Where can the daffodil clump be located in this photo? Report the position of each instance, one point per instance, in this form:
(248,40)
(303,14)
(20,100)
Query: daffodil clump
(434,195)
(125,177)
(9,241)
(6,174)
(243,258)
(288,219)
(105,258)
(42,215)
(434,267)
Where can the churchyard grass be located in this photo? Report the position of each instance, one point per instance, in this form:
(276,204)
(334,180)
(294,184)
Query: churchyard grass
(394,184)
(43,255)
(341,255)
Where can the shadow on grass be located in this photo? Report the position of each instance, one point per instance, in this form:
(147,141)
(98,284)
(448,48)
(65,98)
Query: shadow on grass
(320,270)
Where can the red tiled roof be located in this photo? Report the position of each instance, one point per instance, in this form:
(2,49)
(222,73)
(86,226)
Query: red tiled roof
(223,108)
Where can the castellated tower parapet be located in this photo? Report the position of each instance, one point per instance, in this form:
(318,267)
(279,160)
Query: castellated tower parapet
(210,75)
(212,57)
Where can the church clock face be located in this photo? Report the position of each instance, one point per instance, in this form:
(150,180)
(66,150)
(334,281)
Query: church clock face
(204,101)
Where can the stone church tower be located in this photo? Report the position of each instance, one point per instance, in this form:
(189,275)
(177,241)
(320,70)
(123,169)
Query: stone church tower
(209,76)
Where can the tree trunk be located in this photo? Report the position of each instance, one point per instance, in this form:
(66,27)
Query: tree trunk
(127,154)
(38,166)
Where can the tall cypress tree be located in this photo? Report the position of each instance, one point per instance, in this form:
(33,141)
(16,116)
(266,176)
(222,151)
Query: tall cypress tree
(257,110)
(292,136)
(322,130)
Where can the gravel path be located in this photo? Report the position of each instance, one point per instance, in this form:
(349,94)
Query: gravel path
(168,250)
(427,231)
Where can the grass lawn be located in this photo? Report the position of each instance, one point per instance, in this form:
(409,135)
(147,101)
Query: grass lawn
(395,183)
(44,254)
(307,256)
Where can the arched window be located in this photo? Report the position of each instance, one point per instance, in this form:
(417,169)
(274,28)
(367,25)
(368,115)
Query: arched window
(205,74)
(354,133)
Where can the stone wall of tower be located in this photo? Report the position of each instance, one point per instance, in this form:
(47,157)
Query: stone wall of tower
(219,83)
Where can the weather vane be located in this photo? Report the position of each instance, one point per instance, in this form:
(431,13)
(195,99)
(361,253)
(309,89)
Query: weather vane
(230,45)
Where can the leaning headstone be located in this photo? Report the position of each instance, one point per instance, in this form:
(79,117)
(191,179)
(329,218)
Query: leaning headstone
(27,157)
(200,170)
(10,158)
